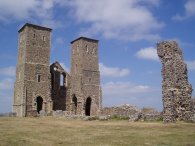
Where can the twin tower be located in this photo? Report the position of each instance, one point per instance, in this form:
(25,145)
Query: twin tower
(42,87)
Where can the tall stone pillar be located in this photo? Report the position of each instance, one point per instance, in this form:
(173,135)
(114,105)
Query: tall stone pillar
(176,90)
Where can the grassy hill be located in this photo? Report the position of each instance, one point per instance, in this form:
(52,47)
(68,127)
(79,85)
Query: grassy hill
(49,131)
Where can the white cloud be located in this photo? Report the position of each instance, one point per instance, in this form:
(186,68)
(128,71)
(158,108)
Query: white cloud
(149,53)
(189,11)
(191,65)
(33,10)
(113,71)
(190,7)
(8,71)
(116,93)
(6,84)
(127,19)
(124,88)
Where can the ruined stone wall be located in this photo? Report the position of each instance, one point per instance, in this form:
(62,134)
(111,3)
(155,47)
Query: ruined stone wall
(122,110)
(176,90)
(33,72)
(60,86)
(193,109)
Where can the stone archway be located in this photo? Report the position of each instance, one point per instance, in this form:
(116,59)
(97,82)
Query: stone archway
(88,106)
(39,101)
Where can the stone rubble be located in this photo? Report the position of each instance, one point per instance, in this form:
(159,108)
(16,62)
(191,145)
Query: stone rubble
(122,110)
(132,112)
(150,114)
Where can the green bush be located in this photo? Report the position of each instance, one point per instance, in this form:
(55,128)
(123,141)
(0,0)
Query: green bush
(117,117)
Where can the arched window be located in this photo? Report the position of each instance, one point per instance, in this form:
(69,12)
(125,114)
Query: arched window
(38,78)
(39,101)
(87,48)
(74,102)
(43,38)
(61,80)
(88,106)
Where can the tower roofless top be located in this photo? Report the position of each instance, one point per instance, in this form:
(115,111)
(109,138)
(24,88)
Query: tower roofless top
(35,26)
(84,38)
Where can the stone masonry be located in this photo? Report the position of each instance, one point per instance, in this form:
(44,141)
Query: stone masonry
(193,109)
(32,86)
(85,90)
(176,89)
(41,88)
(60,83)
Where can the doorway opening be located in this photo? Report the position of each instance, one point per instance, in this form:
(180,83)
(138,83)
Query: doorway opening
(39,104)
(74,100)
(88,107)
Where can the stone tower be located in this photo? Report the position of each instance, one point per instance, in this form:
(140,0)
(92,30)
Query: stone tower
(177,91)
(32,87)
(85,90)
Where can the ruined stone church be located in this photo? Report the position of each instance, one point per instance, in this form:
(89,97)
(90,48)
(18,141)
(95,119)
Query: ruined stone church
(41,87)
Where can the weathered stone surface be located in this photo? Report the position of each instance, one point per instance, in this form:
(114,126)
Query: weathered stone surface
(135,117)
(132,112)
(85,90)
(58,113)
(41,87)
(193,109)
(176,90)
(103,118)
(60,84)
(32,85)
(122,110)
(42,113)
(150,114)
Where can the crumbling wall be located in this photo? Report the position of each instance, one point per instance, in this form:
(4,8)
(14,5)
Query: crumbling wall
(132,112)
(122,110)
(193,109)
(176,90)
(59,86)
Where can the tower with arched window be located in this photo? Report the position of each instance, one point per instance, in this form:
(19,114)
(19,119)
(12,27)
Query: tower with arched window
(32,86)
(85,90)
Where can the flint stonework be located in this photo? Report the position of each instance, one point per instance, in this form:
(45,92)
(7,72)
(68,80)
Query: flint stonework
(176,90)
(41,88)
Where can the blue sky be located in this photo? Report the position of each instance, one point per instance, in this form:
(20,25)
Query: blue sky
(127,30)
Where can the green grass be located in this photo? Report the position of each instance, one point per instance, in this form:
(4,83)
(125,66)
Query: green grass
(49,131)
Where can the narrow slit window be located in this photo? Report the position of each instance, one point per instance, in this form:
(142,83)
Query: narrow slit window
(87,49)
(34,35)
(38,78)
(77,48)
(43,38)
(76,68)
